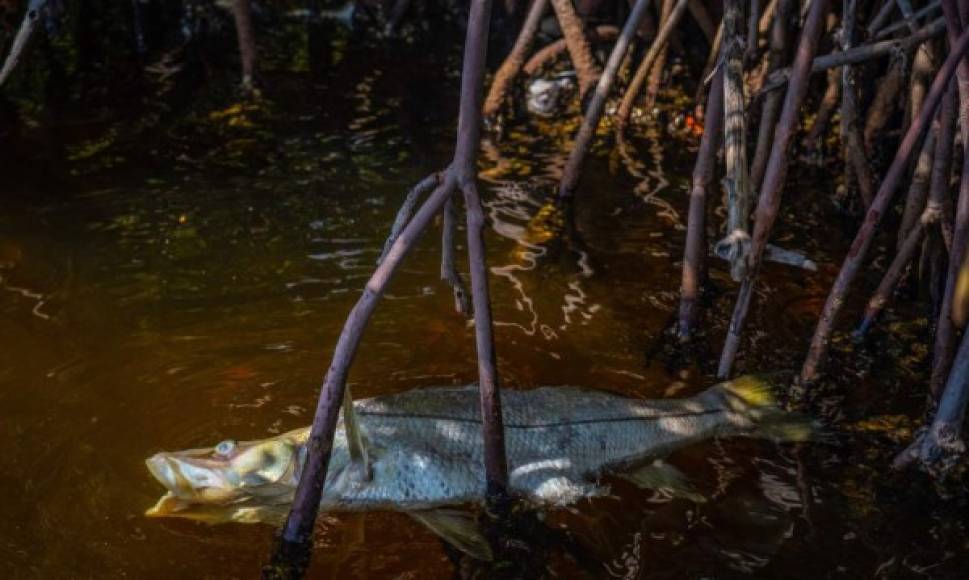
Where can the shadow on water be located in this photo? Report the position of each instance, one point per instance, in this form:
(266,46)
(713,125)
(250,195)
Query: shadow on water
(179,276)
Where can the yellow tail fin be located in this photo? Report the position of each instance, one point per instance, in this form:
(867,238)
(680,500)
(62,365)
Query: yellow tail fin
(752,396)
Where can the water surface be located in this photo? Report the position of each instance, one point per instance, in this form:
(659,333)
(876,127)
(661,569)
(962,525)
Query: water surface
(176,277)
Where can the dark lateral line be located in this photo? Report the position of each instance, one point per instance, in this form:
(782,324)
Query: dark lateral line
(541,425)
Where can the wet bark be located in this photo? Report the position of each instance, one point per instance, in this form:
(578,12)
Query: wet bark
(770,194)
(955,15)
(931,216)
(885,103)
(694,253)
(511,67)
(586,69)
(652,55)
(735,246)
(449,271)
(857,168)
(242,13)
(597,104)
(548,53)
(860,54)
(779,35)
(292,552)
(656,70)
(859,247)
(26,31)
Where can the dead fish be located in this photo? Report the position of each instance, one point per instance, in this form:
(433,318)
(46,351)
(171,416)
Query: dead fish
(546,97)
(421,453)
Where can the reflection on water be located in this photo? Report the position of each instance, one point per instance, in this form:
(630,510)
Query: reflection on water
(183,287)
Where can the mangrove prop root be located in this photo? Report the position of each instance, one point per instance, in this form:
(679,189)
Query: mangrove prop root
(939,448)
(597,104)
(495,459)
(955,13)
(397,13)
(407,209)
(22,39)
(779,40)
(884,104)
(829,101)
(242,13)
(858,54)
(656,71)
(449,272)
(909,22)
(298,528)
(736,245)
(918,188)
(695,248)
(753,33)
(703,19)
(553,50)
(586,69)
(859,247)
(513,63)
(651,56)
(708,68)
(769,201)
(931,215)
(852,144)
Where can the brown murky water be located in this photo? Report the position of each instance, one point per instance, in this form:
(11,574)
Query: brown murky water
(183,280)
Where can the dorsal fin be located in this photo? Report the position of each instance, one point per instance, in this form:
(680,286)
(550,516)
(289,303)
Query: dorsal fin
(355,444)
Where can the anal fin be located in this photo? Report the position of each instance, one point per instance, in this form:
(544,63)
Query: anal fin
(457,528)
(665,477)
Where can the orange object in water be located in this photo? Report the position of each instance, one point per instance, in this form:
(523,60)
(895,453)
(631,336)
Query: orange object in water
(694,125)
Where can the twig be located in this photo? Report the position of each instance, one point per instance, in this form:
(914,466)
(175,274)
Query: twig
(908,22)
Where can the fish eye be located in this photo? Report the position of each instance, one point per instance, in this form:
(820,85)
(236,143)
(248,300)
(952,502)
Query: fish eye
(225,448)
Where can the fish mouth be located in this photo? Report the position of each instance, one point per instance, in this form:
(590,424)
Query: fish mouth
(162,469)
(165,472)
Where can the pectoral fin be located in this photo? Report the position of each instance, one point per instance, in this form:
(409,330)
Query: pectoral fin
(355,444)
(663,476)
(457,528)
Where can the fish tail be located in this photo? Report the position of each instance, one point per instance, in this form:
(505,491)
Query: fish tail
(753,399)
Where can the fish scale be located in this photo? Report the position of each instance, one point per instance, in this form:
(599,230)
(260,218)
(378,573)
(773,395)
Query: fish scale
(421,452)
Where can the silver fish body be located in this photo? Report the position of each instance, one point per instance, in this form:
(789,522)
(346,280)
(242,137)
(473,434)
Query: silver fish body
(424,450)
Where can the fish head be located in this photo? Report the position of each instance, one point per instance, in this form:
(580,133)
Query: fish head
(225,482)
